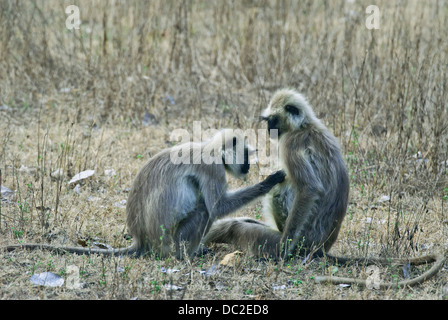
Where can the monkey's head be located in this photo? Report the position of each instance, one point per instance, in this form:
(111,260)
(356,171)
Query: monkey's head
(235,153)
(288,111)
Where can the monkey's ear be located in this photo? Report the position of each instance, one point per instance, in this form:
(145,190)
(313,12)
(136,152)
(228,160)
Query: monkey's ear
(292,110)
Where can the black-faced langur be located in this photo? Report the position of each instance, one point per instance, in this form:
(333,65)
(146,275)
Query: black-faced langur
(303,214)
(174,200)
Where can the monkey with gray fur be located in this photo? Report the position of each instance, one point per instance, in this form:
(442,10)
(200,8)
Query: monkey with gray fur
(176,203)
(304,213)
(307,209)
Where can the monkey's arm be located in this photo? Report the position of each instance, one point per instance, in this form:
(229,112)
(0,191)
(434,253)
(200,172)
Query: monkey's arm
(221,202)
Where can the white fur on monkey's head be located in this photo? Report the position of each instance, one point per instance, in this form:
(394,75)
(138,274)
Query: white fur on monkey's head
(289,110)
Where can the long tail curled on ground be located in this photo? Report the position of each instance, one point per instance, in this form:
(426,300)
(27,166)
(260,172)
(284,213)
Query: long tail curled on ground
(437,259)
(78,250)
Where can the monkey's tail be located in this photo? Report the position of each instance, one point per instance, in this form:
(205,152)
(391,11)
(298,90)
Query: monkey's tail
(131,250)
(437,259)
(342,260)
(259,238)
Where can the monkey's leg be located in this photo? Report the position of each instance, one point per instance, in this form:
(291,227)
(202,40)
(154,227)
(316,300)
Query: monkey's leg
(191,231)
(297,220)
(246,234)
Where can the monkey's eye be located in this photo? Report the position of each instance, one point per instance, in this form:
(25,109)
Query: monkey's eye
(292,110)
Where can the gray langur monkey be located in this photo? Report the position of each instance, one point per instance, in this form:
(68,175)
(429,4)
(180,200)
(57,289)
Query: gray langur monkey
(180,202)
(304,213)
(174,202)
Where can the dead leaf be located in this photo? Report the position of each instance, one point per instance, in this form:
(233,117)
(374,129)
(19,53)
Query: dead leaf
(5,192)
(172,287)
(211,271)
(384,198)
(83,242)
(57,174)
(282,287)
(121,204)
(47,279)
(231,259)
(110,173)
(81,176)
(169,270)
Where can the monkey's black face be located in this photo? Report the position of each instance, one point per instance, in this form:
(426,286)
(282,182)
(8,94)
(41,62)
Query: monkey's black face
(273,124)
(238,162)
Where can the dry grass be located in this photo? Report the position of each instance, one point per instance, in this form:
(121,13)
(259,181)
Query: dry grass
(75,100)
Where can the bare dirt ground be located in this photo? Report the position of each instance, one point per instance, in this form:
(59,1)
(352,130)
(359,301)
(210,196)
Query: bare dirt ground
(107,96)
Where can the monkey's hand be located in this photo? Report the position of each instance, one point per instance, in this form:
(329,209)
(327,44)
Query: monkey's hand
(275,178)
